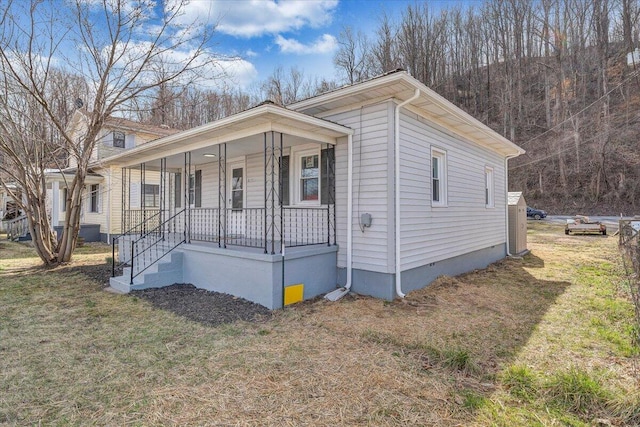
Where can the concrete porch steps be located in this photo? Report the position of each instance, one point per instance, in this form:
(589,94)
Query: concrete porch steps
(165,272)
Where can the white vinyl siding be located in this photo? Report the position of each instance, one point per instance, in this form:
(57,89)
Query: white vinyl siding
(371,186)
(430,234)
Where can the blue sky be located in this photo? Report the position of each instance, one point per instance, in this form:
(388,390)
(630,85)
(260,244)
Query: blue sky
(268,33)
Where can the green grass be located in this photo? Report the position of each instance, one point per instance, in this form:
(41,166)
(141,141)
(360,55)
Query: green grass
(577,391)
(542,341)
(521,382)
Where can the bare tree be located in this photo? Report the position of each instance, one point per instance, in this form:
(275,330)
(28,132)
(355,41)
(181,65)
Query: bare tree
(286,87)
(353,56)
(116,47)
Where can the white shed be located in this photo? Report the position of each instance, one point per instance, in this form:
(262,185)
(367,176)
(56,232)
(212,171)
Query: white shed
(517,223)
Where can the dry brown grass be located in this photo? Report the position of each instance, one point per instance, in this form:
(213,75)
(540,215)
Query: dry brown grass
(73,354)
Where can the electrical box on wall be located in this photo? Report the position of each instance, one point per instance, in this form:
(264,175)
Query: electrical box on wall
(365,220)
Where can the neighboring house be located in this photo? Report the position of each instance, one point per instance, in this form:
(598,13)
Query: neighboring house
(11,221)
(380,186)
(99,204)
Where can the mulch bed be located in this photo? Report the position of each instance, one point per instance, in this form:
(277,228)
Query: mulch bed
(200,305)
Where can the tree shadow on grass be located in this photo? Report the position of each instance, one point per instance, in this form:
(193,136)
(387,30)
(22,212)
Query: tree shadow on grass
(471,326)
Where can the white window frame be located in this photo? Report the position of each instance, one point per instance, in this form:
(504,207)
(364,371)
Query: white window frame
(489,187)
(156,196)
(94,193)
(113,139)
(441,156)
(295,197)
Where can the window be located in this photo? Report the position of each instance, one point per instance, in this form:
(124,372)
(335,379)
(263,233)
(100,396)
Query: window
(314,177)
(63,204)
(237,188)
(177,189)
(151,194)
(195,189)
(94,197)
(309,178)
(438,178)
(489,199)
(118,139)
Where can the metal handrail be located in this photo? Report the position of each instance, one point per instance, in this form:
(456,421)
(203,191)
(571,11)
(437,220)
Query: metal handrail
(163,235)
(129,232)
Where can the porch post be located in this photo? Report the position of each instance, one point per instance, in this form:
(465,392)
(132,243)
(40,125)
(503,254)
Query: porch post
(331,191)
(187,217)
(162,189)
(272,156)
(123,201)
(142,201)
(266,228)
(279,199)
(222,195)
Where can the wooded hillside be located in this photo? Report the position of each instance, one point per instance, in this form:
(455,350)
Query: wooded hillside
(550,75)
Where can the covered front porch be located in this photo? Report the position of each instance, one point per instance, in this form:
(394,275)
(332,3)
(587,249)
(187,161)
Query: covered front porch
(242,200)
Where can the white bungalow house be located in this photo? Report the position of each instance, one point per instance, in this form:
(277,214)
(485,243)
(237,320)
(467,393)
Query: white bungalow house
(378,187)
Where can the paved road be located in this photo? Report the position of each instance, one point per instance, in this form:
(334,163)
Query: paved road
(610,221)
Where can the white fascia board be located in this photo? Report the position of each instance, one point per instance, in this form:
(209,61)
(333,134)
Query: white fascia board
(254,113)
(432,97)
(465,117)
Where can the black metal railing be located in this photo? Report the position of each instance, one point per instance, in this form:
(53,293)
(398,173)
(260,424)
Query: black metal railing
(119,256)
(301,226)
(143,219)
(304,226)
(154,245)
(17,227)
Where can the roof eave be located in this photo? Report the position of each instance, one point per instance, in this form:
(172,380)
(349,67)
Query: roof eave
(229,121)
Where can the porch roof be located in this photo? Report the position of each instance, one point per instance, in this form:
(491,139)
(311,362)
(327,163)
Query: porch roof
(399,85)
(265,117)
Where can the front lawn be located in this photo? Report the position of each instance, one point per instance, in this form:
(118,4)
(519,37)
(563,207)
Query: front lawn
(545,340)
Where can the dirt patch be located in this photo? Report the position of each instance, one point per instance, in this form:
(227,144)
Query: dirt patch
(211,308)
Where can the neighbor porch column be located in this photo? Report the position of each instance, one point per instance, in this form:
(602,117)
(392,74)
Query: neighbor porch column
(55,203)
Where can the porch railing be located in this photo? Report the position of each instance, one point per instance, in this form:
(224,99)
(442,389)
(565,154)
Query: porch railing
(300,226)
(17,227)
(122,258)
(147,249)
(143,220)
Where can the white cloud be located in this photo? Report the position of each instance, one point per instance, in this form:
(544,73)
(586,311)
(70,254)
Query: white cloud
(239,73)
(250,53)
(325,44)
(252,18)
(208,70)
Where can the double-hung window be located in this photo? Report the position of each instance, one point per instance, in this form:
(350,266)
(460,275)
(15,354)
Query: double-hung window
(94,198)
(118,139)
(489,197)
(309,177)
(313,177)
(438,177)
(151,196)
